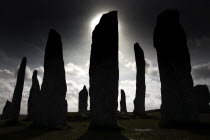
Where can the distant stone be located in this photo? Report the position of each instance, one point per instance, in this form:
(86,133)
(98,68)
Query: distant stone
(17,96)
(53,106)
(170,42)
(139,101)
(202,98)
(34,97)
(83,99)
(6,110)
(123,107)
(104,72)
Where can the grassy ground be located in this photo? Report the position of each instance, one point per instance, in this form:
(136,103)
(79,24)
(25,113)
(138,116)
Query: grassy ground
(132,128)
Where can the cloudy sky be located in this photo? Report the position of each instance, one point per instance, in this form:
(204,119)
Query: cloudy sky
(24,27)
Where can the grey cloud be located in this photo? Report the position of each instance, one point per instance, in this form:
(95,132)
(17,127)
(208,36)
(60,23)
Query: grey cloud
(75,70)
(2,100)
(6,74)
(72,95)
(147,95)
(201,71)
(199,43)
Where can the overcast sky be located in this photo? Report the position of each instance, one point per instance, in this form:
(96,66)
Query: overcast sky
(24,27)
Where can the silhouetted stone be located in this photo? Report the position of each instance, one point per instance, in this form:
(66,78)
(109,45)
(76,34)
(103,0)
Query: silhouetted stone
(34,97)
(123,107)
(17,96)
(104,73)
(6,110)
(83,98)
(170,42)
(53,106)
(202,98)
(139,101)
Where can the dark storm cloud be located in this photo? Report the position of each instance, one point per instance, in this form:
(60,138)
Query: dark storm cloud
(24,27)
(199,50)
(29,21)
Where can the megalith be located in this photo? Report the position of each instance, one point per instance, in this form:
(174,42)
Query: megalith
(139,101)
(104,72)
(34,97)
(6,109)
(202,97)
(170,42)
(53,106)
(123,107)
(17,95)
(83,99)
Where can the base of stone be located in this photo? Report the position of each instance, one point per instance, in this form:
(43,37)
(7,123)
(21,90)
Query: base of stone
(103,134)
(115,127)
(57,127)
(181,125)
(12,122)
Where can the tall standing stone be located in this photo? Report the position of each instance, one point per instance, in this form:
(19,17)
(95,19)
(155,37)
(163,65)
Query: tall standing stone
(53,106)
(202,98)
(170,42)
(6,109)
(123,107)
(83,99)
(17,96)
(34,97)
(139,101)
(104,72)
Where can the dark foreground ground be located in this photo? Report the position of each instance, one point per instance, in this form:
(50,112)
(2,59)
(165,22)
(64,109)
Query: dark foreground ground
(133,128)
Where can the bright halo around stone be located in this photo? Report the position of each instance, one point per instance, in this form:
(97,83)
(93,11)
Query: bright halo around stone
(95,21)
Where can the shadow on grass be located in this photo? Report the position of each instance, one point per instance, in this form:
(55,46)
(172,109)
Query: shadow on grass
(193,127)
(202,129)
(103,134)
(22,134)
(145,116)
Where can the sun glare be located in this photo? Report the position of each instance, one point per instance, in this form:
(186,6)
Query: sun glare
(95,21)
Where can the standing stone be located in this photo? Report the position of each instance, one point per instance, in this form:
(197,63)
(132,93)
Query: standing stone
(17,96)
(83,99)
(34,97)
(53,106)
(139,101)
(104,72)
(123,107)
(5,113)
(202,98)
(170,42)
